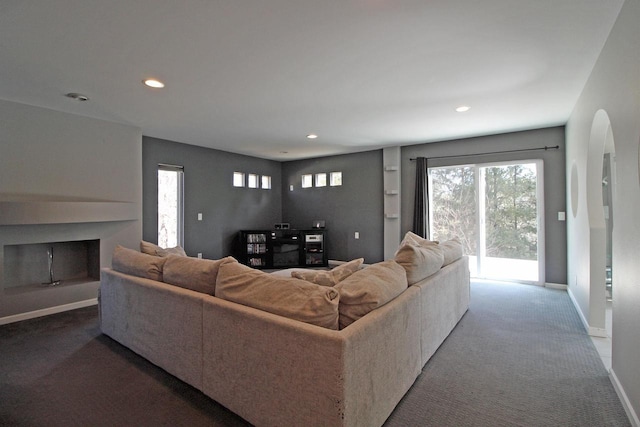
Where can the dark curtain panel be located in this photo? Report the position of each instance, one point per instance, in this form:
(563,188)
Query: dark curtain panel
(421,200)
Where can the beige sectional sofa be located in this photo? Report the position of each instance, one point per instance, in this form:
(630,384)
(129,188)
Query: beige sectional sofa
(273,370)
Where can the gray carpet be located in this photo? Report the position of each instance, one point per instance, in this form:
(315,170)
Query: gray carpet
(519,357)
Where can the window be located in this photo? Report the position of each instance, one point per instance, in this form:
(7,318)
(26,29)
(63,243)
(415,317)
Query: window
(307,181)
(253,181)
(238,179)
(266,182)
(170,206)
(321,180)
(335,179)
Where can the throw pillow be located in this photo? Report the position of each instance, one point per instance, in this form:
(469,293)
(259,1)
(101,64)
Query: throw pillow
(368,289)
(138,264)
(419,261)
(193,273)
(331,277)
(451,250)
(153,249)
(285,296)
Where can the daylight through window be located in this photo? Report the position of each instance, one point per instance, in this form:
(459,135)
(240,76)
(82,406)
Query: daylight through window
(170,206)
(321,180)
(238,179)
(253,180)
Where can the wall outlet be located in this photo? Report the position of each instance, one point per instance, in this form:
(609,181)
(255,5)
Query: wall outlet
(200,255)
(356,235)
(561,216)
(199,216)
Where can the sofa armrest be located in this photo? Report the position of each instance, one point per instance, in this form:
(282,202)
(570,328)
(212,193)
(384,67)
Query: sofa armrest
(382,359)
(275,371)
(269,369)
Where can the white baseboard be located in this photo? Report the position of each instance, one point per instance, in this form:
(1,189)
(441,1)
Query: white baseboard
(577,306)
(47,311)
(626,403)
(598,332)
(594,332)
(556,286)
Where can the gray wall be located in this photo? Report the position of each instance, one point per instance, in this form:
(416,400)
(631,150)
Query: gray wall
(208,189)
(554,180)
(614,88)
(357,205)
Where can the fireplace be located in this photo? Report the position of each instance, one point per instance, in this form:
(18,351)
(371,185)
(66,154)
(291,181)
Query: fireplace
(35,266)
(52,249)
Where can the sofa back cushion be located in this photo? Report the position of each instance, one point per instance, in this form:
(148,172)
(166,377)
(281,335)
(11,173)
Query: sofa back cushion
(138,264)
(411,237)
(369,288)
(153,249)
(451,250)
(193,273)
(285,296)
(331,277)
(419,261)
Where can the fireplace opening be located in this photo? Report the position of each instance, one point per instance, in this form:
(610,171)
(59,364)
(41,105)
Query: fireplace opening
(43,265)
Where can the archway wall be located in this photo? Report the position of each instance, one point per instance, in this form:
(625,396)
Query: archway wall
(614,86)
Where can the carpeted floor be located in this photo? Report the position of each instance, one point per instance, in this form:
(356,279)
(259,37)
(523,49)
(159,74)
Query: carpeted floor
(519,357)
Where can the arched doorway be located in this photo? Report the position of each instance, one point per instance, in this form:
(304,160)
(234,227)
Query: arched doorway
(600,206)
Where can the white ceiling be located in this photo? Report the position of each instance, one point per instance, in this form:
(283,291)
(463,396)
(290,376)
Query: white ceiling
(256,76)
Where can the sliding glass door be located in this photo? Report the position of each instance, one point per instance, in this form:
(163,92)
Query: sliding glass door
(497,212)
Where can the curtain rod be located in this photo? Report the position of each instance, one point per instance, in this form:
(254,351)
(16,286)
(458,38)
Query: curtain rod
(545,148)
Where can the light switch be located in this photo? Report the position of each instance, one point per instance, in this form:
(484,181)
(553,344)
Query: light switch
(199,216)
(356,235)
(561,216)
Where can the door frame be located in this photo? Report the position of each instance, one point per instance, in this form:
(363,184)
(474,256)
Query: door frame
(480,216)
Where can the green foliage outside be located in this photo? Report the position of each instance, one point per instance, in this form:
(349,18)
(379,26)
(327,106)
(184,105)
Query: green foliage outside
(510,209)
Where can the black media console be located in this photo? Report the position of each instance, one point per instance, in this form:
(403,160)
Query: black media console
(283,248)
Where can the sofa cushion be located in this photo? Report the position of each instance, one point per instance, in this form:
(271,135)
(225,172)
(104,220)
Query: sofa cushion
(411,237)
(132,262)
(331,277)
(451,250)
(193,273)
(285,296)
(153,249)
(419,261)
(369,288)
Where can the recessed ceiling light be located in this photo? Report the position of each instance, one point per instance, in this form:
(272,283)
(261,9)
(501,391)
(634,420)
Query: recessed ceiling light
(312,136)
(77,96)
(157,84)
(463,108)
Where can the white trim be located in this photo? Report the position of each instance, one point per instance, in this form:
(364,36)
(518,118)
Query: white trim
(47,311)
(558,286)
(479,177)
(577,306)
(594,332)
(624,399)
(598,332)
